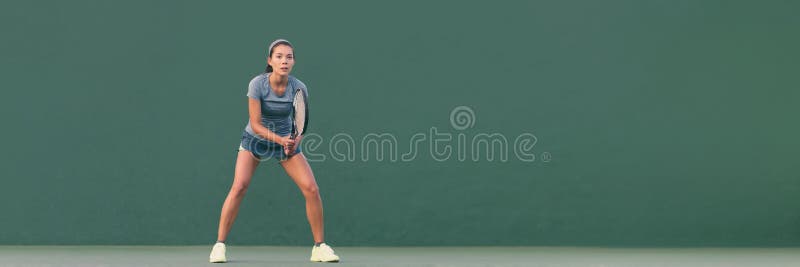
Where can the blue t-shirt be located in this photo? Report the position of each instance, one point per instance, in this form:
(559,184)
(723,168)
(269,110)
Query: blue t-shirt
(275,109)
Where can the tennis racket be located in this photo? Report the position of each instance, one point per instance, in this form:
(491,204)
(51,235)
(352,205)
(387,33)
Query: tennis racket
(299,114)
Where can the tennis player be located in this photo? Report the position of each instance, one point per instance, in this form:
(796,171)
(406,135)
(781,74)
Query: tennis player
(267,136)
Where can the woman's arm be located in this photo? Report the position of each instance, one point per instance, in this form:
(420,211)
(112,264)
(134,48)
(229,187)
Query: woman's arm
(254,108)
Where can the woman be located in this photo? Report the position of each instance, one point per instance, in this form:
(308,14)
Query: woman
(267,136)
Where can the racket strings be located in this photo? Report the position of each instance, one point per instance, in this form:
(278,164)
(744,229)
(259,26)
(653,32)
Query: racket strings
(300,116)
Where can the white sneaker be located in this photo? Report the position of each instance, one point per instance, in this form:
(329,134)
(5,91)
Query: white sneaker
(217,253)
(323,253)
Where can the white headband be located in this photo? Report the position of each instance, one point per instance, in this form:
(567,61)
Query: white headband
(275,43)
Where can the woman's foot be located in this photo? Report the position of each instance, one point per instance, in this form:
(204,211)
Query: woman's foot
(217,253)
(323,253)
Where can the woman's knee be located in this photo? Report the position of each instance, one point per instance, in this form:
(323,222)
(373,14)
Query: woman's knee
(310,190)
(239,189)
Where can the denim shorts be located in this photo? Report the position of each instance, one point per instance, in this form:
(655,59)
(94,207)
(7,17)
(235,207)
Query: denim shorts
(262,149)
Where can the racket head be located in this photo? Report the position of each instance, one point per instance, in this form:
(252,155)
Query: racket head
(299,113)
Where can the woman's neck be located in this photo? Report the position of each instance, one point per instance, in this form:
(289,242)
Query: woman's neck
(278,80)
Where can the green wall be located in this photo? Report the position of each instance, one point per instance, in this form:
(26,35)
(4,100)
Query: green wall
(657,123)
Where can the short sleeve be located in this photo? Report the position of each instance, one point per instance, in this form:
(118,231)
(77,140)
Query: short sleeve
(254,89)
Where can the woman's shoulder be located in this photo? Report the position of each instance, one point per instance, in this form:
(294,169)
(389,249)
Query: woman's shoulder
(298,83)
(259,82)
(259,78)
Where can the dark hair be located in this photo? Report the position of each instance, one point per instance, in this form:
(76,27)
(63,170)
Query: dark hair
(269,55)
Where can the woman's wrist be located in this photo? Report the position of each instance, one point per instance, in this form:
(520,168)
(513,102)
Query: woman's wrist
(275,138)
(268,136)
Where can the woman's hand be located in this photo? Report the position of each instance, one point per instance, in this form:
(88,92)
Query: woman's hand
(287,143)
(290,149)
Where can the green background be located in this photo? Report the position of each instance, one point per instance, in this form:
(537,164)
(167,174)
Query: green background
(669,123)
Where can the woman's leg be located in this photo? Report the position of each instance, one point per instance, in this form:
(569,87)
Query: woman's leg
(297,168)
(245,167)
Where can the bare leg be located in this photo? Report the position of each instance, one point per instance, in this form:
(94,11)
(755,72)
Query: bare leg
(245,167)
(297,167)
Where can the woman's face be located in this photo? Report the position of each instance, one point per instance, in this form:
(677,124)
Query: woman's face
(282,59)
